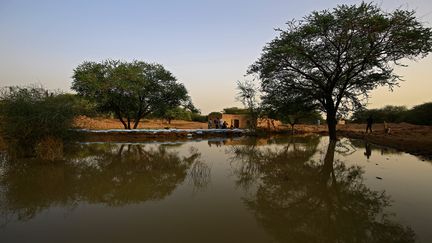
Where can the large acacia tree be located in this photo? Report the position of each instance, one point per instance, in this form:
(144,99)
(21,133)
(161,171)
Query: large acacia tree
(131,90)
(334,58)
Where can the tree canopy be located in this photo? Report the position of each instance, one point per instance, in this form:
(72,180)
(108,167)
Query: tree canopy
(334,58)
(131,90)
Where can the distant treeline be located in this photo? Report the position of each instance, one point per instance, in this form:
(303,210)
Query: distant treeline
(419,114)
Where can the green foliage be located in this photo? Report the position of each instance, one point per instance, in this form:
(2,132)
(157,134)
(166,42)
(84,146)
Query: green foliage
(29,114)
(130,90)
(289,108)
(177,113)
(420,114)
(83,106)
(335,58)
(235,110)
(388,113)
(197,117)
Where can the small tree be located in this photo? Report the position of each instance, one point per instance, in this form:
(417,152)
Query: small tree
(131,90)
(247,95)
(336,57)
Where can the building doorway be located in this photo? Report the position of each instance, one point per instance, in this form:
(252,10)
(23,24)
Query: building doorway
(236,123)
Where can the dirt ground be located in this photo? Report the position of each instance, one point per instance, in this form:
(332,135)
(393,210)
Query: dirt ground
(107,123)
(414,139)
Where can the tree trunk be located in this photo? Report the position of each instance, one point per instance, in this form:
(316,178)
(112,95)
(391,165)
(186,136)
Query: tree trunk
(121,119)
(136,123)
(138,117)
(292,128)
(128,122)
(331,124)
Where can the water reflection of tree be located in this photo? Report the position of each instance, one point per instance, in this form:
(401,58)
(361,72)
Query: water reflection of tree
(110,174)
(251,160)
(301,200)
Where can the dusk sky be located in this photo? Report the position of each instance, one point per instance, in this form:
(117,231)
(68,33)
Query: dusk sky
(207,45)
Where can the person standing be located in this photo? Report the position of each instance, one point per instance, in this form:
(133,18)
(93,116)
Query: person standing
(369,122)
(225,125)
(209,124)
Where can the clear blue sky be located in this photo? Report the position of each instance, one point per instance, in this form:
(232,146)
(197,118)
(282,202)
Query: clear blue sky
(208,45)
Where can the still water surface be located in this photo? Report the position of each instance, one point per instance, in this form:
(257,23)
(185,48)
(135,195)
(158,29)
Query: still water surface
(283,189)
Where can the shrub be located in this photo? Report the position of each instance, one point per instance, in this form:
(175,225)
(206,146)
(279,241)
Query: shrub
(28,115)
(196,117)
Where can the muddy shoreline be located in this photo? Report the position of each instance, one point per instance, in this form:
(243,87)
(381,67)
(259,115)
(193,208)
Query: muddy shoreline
(406,138)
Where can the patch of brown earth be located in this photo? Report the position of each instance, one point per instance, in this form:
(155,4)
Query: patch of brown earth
(99,123)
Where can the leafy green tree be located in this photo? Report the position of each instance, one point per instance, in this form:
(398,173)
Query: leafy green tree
(131,90)
(336,57)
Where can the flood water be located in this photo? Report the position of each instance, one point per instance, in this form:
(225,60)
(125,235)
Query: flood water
(282,189)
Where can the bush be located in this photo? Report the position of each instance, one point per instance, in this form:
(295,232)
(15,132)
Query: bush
(196,117)
(28,115)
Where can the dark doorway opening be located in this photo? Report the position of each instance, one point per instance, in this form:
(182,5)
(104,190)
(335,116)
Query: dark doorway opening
(236,123)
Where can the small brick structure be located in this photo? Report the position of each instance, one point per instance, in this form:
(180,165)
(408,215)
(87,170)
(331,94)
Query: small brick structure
(242,121)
